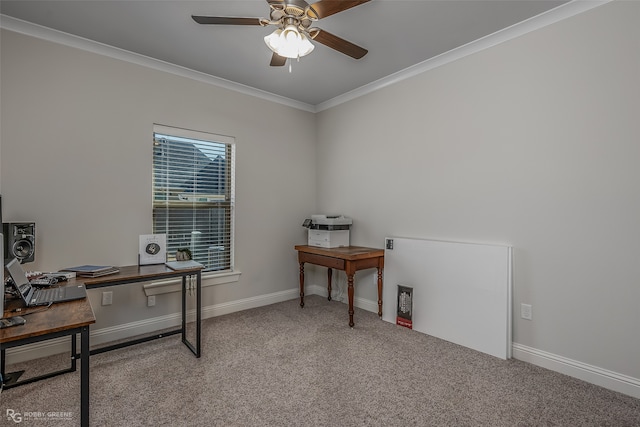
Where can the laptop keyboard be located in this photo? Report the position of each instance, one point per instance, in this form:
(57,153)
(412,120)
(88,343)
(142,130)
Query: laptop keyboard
(50,294)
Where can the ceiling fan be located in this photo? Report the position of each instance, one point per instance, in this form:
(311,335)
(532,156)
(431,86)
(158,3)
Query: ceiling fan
(293,20)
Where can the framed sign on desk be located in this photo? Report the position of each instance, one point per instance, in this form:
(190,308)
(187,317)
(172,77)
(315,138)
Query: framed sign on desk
(152,249)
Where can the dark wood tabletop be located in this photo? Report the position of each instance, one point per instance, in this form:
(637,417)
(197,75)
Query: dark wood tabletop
(350,253)
(135,274)
(42,320)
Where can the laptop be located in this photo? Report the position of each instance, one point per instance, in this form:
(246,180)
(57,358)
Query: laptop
(33,296)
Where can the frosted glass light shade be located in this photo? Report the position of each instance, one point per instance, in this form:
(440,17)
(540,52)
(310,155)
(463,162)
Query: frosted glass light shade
(289,43)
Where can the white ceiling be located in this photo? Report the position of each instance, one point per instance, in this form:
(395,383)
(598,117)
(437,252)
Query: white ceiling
(398,34)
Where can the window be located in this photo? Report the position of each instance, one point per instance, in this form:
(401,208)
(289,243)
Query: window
(193,194)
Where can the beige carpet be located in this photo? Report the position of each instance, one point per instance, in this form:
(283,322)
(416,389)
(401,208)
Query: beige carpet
(281,365)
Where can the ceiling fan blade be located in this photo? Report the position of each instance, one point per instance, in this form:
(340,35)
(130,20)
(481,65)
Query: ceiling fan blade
(323,8)
(339,44)
(224,20)
(277,60)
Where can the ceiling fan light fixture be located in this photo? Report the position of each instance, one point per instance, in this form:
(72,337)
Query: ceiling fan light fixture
(293,36)
(289,42)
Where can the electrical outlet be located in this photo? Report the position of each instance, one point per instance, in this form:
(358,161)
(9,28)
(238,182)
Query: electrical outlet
(151,300)
(526,311)
(107,298)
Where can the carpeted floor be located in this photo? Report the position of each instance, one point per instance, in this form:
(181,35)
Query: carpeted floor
(281,365)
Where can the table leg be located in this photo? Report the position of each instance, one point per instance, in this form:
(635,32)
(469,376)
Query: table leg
(379,292)
(302,284)
(84,376)
(329,276)
(350,292)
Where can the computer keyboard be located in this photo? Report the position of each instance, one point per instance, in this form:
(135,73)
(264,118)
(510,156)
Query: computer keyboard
(50,294)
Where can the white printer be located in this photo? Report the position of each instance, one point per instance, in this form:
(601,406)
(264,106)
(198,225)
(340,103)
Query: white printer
(328,231)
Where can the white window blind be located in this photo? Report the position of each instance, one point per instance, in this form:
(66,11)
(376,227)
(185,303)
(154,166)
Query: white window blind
(193,194)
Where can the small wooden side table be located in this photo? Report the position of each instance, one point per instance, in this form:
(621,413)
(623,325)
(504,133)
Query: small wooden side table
(348,259)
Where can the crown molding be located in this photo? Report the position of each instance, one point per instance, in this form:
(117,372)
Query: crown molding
(552,16)
(59,37)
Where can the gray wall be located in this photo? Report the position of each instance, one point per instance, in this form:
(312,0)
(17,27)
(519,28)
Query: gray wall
(76,148)
(533,143)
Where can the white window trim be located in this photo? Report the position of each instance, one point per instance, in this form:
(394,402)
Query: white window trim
(175,285)
(208,136)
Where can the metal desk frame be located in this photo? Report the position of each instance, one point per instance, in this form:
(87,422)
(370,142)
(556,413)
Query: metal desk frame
(138,274)
(62,326)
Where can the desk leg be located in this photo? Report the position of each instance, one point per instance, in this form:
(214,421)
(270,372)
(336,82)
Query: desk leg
(379,292)
(11,378)
(2,363)
(184,309)
(302,284)
(329,276)
(74,352)
(195,348)
(84,377)
(198,312)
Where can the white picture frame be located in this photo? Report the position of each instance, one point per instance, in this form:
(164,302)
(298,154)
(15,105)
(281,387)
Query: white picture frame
(152,249)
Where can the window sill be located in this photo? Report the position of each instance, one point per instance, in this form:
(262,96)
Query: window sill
(175,285)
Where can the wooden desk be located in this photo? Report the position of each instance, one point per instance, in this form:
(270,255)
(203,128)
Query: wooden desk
(61,319)
(348,259)
(146,273)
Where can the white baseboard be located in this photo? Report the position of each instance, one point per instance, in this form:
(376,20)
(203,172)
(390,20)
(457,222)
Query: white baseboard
(589,373)
(247,303)
(362,303)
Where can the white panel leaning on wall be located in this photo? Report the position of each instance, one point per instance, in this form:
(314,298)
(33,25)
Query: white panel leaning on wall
(461,291)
